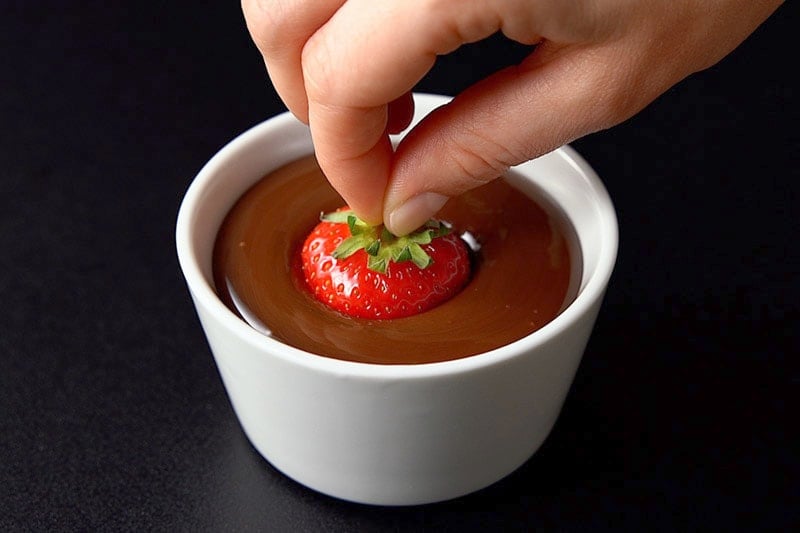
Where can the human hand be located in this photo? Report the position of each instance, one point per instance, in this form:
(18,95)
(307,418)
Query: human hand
(347,68)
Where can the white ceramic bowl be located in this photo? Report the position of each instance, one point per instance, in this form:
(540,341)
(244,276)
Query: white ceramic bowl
(392,434)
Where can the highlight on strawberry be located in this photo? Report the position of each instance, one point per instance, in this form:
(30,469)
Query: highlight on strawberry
(364,271)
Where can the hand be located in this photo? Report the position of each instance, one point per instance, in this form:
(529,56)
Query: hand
(347,68)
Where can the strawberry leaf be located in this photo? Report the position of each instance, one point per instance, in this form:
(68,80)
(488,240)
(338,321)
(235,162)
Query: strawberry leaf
(351,245)
(419,256)
(378,264)
(423,237)
(380,245)
(336,216)
(373,247)
(401,255)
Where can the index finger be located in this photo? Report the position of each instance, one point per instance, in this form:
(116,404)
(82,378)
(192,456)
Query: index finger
(368,55)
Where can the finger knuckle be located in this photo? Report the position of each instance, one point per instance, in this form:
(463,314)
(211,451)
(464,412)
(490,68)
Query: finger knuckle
(608,91)
(319,72)
(478,158)
(269,22)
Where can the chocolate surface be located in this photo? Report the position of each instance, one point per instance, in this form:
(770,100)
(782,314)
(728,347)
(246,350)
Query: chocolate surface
(526,270)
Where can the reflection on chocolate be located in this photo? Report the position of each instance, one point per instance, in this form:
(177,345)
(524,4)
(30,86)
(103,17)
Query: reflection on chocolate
(527,270)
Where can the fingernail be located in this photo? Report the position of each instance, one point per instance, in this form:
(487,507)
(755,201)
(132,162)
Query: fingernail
(414,212)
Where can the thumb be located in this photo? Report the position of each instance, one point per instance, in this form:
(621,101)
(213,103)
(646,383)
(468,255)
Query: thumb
(513,116)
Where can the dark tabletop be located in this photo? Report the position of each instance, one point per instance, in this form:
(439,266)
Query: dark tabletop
(113,416)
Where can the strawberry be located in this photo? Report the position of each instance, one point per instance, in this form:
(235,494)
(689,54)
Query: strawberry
(364,271)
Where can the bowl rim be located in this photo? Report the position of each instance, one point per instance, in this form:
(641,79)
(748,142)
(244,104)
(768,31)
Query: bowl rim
(204,294)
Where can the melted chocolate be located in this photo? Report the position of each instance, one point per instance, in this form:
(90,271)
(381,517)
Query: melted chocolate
(526,271)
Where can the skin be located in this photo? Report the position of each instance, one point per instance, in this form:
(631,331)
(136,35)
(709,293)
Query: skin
(347,68)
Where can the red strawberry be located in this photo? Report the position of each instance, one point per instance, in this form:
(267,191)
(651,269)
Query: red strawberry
(366,272)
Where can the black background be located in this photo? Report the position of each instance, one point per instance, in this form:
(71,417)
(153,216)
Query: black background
(112,414)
